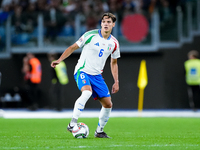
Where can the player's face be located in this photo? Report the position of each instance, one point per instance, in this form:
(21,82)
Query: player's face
(107,24)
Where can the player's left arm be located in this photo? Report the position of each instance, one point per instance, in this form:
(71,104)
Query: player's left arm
(114,70)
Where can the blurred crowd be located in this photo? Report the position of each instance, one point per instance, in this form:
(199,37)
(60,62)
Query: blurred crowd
(59,14)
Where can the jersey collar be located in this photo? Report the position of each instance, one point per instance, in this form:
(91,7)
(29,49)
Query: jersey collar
(102,36)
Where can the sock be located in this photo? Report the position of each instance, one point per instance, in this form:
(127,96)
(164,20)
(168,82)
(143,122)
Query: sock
(103,118)
(80,105)
(73,122)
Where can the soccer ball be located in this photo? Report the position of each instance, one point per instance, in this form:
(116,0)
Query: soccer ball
(80,130)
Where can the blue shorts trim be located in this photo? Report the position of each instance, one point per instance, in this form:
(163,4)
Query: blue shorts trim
(99,87)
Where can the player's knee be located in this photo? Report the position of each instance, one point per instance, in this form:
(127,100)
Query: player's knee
(108,105)
(86,94)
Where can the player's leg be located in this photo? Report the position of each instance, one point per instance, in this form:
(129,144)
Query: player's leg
(104,113)
(81,101)
(103,116)
(101,92)
(83,84)
(80,105)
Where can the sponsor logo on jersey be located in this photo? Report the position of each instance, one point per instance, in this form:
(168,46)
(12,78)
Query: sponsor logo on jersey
(97,44)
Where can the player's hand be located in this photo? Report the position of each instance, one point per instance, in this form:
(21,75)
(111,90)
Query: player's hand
(54,63)
(115,87)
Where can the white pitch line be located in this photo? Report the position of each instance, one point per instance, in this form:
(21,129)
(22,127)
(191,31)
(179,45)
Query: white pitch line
(95,113)
(109,146)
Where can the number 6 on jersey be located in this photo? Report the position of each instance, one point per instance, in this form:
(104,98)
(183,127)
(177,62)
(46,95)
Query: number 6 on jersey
(101,53)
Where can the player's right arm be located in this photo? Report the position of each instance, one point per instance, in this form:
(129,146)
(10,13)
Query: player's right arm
(65,54)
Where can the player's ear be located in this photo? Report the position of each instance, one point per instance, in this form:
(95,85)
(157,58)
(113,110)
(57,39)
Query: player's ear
(114,24)
(101,24)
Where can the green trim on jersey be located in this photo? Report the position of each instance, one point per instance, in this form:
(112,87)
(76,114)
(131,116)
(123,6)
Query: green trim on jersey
(91,32)
(88,41)
(78,71)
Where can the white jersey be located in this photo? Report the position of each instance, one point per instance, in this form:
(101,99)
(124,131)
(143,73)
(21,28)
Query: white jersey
(95,52)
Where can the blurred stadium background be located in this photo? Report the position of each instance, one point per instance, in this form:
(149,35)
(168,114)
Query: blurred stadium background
(173,29)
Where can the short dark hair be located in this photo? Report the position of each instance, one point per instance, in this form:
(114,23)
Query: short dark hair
(193,53)
(109,15)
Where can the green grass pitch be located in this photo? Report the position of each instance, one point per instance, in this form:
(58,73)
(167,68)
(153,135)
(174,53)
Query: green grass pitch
(127,134)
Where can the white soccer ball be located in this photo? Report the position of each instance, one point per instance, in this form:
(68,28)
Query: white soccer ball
(80,130)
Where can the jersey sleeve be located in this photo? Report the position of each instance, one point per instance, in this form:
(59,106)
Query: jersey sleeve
(84,38)
(81,41)
(116,51)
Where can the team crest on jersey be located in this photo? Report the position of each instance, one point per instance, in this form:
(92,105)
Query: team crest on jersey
(109,46)
(84,81)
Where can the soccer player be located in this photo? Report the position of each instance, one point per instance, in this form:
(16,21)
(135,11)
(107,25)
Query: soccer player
(97,45)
